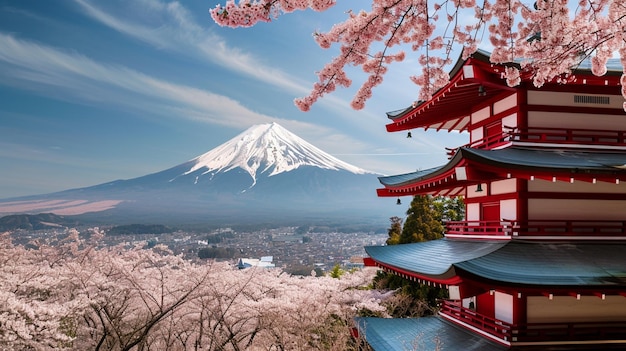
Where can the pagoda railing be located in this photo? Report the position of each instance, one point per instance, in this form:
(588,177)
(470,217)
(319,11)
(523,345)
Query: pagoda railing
(500,329)
(576,228)
(569,136)
(534,332)
(489,142)
(537,228)
(481,228)
(588,137)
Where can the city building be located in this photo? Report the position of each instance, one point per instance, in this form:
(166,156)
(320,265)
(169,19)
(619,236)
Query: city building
(263,262)
(539,263)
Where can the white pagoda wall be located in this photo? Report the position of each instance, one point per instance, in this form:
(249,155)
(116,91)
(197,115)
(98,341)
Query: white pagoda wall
(541,119)
(476,117)
(541,309)
(505,104)
(472,212)
(553,98)
(508,207)
(538,119)
(570,208)
(504,307)
(500,106)
(547,209)
(563,206)
(539,185)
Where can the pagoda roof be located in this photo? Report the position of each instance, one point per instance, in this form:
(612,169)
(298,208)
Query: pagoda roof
(580,264)
(471,166)
(550,159)
(417,258)
(424,333)
(475,81)
(450,107)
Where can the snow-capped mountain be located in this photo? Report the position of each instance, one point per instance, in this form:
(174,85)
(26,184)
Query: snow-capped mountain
(266,149)
(265,174)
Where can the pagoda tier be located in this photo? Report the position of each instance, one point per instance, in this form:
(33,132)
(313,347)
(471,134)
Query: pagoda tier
(567,178)
(520,293)
(475,82)
(590,269)
(538,262)
(471,166)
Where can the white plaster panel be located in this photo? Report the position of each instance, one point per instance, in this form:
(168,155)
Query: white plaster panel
(540,119)
(506,186)
(505,104)
(469,301)
(504,307)
(508,209)
(553,98)
(481,115)
(476,134)
(540,309)
(472,211)
(510,121)
(576,187)
(454,293)
(471,191)
(468,71)
(568,209)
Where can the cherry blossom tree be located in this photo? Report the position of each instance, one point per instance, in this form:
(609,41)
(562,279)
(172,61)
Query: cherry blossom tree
(74,295)
(547,38)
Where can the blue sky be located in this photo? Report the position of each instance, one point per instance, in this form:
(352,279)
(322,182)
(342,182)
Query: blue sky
(94,91)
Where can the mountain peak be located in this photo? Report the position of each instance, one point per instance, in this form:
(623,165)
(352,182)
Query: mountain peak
(267,149)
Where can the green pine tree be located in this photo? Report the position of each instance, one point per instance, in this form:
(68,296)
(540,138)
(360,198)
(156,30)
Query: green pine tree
(449,208)
(394,231)
(424,221)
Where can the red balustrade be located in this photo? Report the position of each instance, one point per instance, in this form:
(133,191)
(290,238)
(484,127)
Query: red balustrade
(588,137)
(551,228)
(534,332)
(571,228)
(570,136)
(492,326)
(486,228)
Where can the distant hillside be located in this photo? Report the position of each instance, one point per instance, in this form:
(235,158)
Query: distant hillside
(35,222)
(139,229)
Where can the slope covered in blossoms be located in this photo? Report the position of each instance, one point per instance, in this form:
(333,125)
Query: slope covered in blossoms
(77,295)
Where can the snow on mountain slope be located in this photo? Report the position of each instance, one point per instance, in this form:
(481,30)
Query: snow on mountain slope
(267,149)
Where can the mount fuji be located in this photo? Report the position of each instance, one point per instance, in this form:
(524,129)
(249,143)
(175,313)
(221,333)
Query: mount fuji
(265,174)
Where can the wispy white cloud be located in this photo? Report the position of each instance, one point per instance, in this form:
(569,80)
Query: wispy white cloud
(77,78)
(170,26)
(178,31)
(40,67)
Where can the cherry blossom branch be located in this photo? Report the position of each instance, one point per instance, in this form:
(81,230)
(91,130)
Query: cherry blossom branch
(546,40)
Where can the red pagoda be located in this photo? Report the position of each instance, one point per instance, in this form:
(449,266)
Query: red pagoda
(539,263)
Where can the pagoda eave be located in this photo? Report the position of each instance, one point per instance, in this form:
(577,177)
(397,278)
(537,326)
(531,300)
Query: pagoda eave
(450,107)
(447,278)
(470,166)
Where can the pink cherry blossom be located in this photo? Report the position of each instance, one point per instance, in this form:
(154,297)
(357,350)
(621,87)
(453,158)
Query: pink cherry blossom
(548,39)
(75,295)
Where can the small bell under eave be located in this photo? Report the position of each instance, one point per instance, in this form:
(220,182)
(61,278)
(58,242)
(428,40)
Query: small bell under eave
(409,135)
(398,202)
(482,91)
